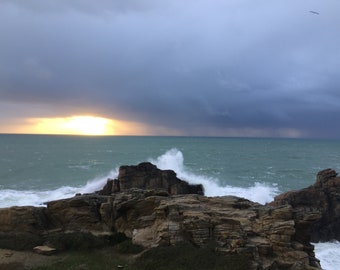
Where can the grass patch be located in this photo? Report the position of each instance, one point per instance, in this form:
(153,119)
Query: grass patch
(77,241)
(185,256)
(127,247)
(182,256)
(88,260)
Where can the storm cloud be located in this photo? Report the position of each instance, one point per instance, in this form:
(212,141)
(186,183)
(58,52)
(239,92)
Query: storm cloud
(224,68)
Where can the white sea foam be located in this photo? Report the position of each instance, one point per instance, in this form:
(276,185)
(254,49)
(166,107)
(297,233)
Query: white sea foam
(329,255)
(174,160)
(10,197)
(98,183)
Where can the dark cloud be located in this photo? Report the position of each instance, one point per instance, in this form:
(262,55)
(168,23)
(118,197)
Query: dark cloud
(198,67)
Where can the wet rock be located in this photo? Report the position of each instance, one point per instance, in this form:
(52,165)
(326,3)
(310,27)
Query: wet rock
(148,176)
(316,208)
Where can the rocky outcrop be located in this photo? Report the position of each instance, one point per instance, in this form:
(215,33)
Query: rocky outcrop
(79,213)
(22,227)
(148,176)
(264,234)
(316,208)
(153,212)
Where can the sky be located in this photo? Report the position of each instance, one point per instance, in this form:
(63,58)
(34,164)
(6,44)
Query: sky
(245,68)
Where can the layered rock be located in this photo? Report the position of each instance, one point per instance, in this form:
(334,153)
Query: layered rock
(147,205)
(80,213)
(316,208)
(264,234)
(22,227)
(148,176)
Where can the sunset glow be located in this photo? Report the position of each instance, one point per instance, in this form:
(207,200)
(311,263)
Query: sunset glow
(75,125)
(80,125)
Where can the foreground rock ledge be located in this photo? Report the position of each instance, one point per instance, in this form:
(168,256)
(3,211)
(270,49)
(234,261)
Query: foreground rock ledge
(157,212)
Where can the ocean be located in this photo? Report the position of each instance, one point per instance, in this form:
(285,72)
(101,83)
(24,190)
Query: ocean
(38,168)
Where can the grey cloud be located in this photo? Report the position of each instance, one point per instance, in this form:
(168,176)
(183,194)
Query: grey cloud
(192,66)
(82,6)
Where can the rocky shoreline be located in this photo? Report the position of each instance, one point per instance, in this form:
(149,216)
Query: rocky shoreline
(154,208)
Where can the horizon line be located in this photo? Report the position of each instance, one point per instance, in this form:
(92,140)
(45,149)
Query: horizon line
(174,136)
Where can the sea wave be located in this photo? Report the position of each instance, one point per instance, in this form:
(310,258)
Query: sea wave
(173,159)
(11,197)
(329,254)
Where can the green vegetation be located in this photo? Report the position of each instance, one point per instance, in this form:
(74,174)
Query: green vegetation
(127,247)
(77,241)
(87,260)
(182,256)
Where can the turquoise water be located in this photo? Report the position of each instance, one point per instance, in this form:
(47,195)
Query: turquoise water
(37,168)
(38,162)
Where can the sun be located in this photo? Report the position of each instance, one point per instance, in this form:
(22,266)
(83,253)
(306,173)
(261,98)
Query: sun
(82,125)
(75,125)
(86,125)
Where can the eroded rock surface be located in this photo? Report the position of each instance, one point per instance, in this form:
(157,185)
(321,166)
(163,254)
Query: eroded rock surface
(316,208)
(265,234)
(153,211)
(148,176)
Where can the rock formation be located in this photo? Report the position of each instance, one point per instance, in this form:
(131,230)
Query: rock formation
(148,176)
(154,207)
(316,208)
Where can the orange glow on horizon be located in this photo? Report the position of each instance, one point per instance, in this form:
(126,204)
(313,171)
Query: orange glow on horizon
(82,125)
(74,125)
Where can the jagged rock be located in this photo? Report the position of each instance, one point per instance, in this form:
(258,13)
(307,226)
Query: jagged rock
(79,213)
(148,176)
(25,218)
(21,227)
(316,208)
(264,233)
(108,188)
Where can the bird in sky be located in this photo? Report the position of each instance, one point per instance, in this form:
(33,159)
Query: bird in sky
(314,12)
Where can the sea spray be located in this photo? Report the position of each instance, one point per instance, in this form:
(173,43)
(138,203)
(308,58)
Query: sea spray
(98,183)
(173,159)
(10,197)
(329,254)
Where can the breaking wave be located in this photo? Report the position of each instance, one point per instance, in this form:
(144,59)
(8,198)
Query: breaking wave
(329,254)
(11,197)
(174,160)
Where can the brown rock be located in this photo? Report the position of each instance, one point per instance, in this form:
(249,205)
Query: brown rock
(316,208)
(261,232)
(148,176)
(21,227)
(274,236)
(78,213)
(25,218)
